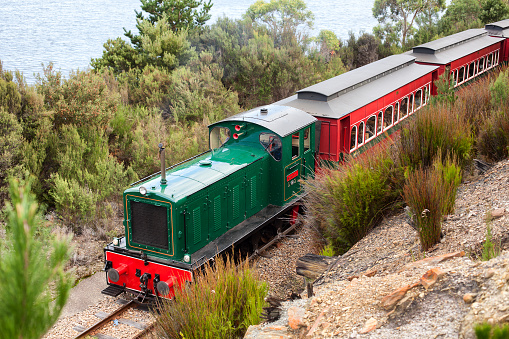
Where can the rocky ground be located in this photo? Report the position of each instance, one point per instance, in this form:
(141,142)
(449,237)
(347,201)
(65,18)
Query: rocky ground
(386,287)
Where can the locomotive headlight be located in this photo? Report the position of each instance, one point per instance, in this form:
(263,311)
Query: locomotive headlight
(115,241)
(143,190)
(187,258)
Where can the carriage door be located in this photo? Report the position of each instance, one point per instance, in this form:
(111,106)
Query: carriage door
(293,170)
(308,159)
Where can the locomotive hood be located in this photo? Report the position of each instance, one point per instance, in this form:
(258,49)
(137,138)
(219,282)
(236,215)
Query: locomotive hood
(194,175)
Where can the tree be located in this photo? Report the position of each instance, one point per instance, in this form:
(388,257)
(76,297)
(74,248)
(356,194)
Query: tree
(31,263)
(459,16)
(399,16)
(282,17)
(181,14)
(493,10)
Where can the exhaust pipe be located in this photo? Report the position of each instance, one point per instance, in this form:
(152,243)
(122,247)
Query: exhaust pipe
(163,168)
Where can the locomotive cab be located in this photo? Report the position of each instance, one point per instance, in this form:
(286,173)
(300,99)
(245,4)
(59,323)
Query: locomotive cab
(178,219)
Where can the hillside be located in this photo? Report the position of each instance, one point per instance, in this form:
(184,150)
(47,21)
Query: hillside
(464,290)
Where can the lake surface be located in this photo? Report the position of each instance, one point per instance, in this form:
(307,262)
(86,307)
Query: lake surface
(71,32)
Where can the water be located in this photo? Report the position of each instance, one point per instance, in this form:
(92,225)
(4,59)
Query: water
(71,32)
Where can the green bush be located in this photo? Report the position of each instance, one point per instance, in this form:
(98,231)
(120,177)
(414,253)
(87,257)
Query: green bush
(435,128)
(487,331)
(11,144)
(350,201)
(500,90)
(222,302)
(490,249)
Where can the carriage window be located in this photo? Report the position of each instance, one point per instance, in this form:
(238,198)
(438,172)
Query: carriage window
(307,139)
(379,123)
(295,145)
(388,117)
(353,137)
(471,70)
(461,75)
(404,107)
(454,80)
(496,57)
(370,127)
(489,61)
(360,135)
(425,97)
(476,67)
(410,103)
(481,65)
(418,99)
(272,144)
(396,112)
(218,137)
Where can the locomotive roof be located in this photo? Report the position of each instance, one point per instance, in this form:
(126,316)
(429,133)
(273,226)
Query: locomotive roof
(499,28)
(339,96)
(453,47)
(280,119)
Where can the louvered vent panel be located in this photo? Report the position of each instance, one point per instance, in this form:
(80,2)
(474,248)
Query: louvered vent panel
(217,213)
(236,201)
(149,225)
(254,199)
(196,225)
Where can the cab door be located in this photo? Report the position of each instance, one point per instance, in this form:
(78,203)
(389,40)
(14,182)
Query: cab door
(293,170)
(308,160)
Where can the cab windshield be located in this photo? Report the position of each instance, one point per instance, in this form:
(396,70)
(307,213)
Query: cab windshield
(218,137)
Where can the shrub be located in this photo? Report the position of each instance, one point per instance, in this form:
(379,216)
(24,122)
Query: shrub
(34,285)
(500,90)
(490,249)
(493,138)
(350,201)
(431,193)
(487,331)
(435,128)
(222,302)
(11,142)
(474,102)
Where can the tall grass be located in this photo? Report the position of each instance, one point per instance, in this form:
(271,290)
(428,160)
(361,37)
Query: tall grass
(223,302)
(435,128)
(349,201)
(431,193)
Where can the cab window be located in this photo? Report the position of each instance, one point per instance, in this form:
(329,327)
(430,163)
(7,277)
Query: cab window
(218,137)
(295,145)
(272,144)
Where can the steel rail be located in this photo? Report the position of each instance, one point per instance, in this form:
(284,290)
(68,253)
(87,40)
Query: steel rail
(144,332)
(104,321)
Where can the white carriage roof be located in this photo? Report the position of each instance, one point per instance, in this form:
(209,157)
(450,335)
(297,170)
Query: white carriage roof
(341,95)
(499,28)
(279,119)
(453,47)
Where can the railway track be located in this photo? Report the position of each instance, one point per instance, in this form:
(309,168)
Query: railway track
(114,318)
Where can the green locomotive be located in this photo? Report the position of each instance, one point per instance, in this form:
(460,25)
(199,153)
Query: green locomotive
(178,219)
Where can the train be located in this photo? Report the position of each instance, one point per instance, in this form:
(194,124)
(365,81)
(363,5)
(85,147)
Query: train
(178,219)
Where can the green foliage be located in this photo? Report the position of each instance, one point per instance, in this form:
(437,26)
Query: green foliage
(487,331)
(459,16)
(350,201)
(11,143)
(34,285)
(360,51)
(490,249)
(435,128)
(500,90)
(10,98)
(282,17)
(493,10)
(397,17)
(83,100)
(222,302)
(445,89)
(118,56)
(328,251)
(493,138)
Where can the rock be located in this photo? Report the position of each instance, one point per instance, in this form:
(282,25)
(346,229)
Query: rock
(431,276)
(369,326)
(437,259)
(271,332)
(389,302)
(317,323)
(296,317)
(469,298)
(495,214)
(489,273)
